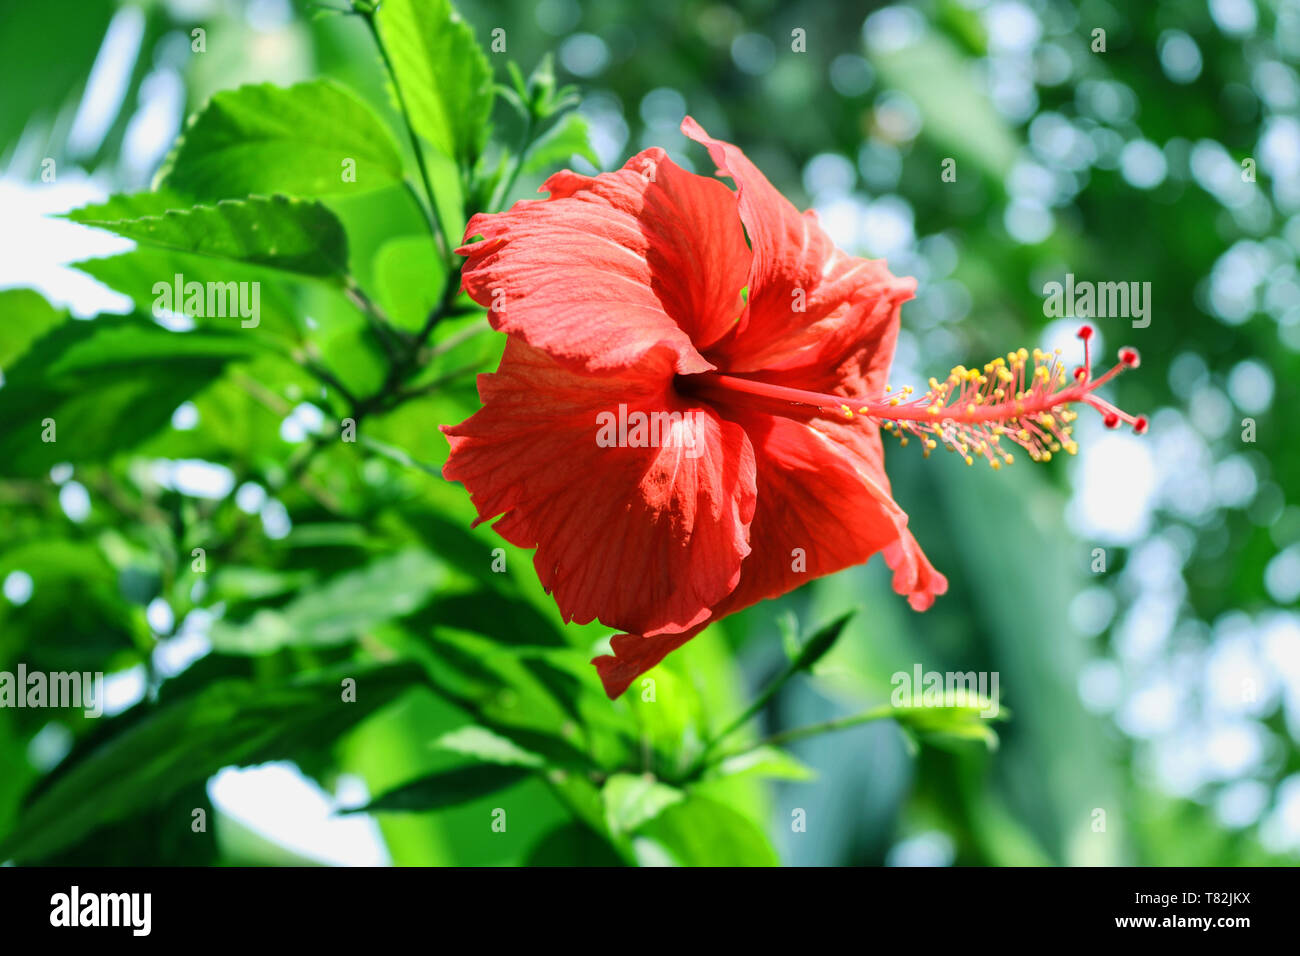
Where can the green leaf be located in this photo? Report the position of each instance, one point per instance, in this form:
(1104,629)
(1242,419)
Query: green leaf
(295,235)
(483,744)
(58,43)
(572,844)
(820,643)
(959,118)
(787,623)
(119,844)
(764,762)
(447,788)
(137,273)
(498,691)
(130,206)
(442,73)
(49,632)
(949,723)
(409,280)
(105,386)
(26,316)
(269,139)
(236,584)
(568,138)
(227,723)
(632,800)
(342,609)
(703,832)
(116,346)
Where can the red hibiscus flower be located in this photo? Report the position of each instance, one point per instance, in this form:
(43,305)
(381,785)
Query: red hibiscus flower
(686,419)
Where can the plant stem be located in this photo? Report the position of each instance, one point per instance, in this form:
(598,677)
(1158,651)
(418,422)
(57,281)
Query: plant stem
(437,383)
(403,349)
(752,710)
(883,712)
(464,335)
(384,330)
(502,191)
(436,228)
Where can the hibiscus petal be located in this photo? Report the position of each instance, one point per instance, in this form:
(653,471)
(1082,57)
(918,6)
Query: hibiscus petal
(806,297)
(823,506)
(914,575)
(634,654)
(615,266)
(643,539)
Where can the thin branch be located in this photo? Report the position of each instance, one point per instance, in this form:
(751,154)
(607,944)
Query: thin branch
(389,337)
(464,335)
(407,394)
(883,712)
(436,227)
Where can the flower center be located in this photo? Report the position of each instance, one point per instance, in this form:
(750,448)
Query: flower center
(974,412)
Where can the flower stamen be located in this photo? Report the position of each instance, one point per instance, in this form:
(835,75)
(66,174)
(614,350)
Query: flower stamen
(978,412)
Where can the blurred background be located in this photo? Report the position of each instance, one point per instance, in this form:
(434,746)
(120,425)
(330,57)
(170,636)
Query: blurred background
(1138,600)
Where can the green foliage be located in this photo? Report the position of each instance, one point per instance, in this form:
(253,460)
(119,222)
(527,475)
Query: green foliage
(409,279)
(264,139)
(278,232)
(446,789)
(331,550)
(568,138)
(633,801)
(98,386)
(174,745)
(703,832)
(340,609)
(820,642)
(441,72)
